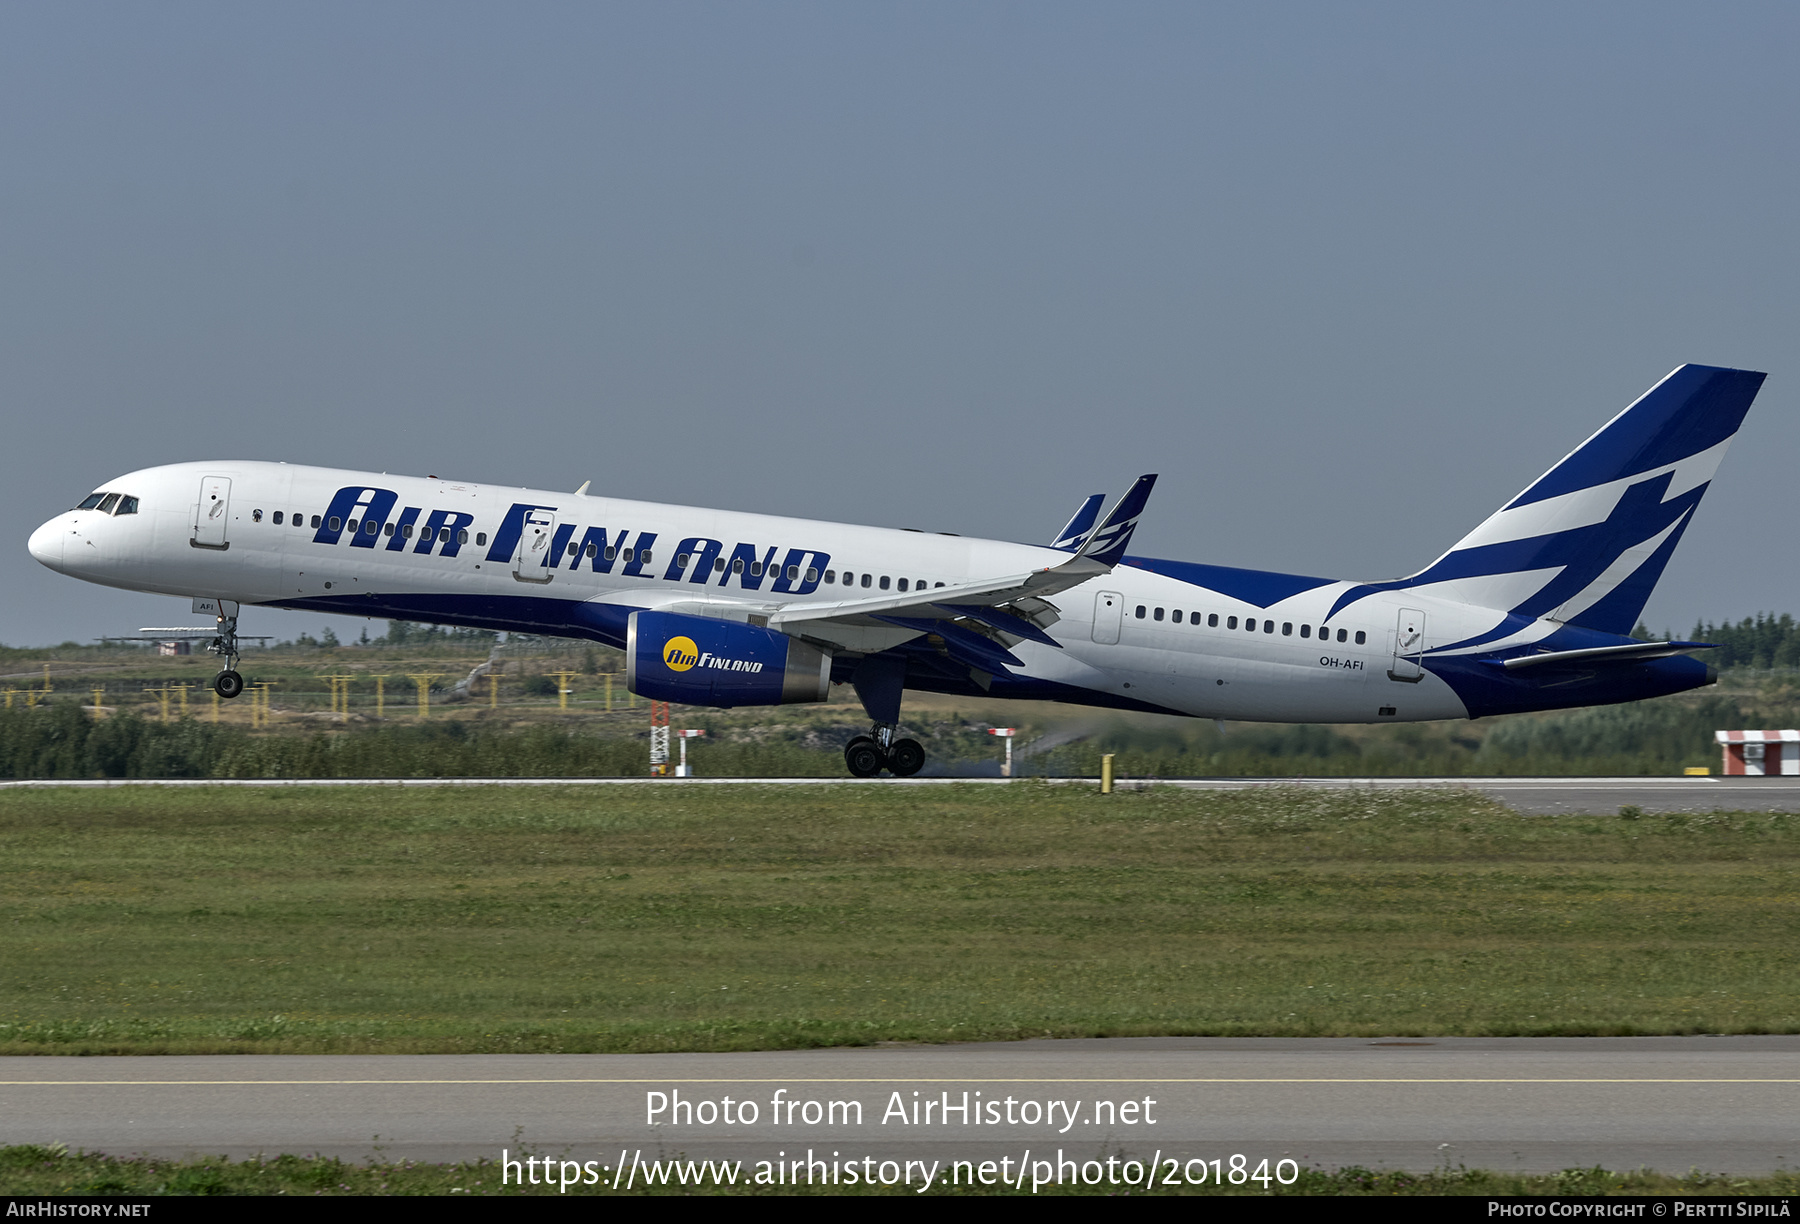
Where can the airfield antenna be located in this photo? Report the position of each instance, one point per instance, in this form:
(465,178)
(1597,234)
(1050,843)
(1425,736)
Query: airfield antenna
(562,687)
(659,739)
(423,681)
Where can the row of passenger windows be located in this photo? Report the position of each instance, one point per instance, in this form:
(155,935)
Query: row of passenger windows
(1268,626)
(109,503)
(851,579)
(368,527)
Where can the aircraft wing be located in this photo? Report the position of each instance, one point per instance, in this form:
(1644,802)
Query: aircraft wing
(975,619)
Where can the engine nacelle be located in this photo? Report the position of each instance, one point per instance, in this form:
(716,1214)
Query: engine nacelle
(696,660)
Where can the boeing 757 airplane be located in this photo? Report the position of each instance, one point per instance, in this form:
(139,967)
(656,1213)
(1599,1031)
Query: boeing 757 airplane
(1529,611)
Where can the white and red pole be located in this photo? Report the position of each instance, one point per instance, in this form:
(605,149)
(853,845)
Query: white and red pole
(681,770)
(1007,734)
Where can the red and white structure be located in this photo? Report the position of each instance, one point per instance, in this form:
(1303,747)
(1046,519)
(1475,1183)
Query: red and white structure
(681,770)
(1759,753)
(1005,733)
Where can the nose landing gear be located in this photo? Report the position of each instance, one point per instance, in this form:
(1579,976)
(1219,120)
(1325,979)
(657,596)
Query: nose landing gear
(228,683)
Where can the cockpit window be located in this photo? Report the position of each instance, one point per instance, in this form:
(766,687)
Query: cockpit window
(107,503)
(127,505)
(93,499)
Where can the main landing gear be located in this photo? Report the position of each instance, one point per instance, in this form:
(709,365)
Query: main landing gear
(868,755)
(879,680)
(228,683)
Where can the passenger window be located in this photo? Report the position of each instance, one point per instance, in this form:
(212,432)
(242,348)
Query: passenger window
(336,523)
(1305,631)
(643,556)
(315,522)
(1175,616)
(371,527)
(718,562)
(1140,611)
(1361,637)
(592,550)
(90,501)
(737,563)
(480,537)
(256,516)
(884,582)
(626,554)
(1159,614)
(1212,621)
(866,579)
(407,530)
(1231,622)
(387,530)
(1250,623)
(755,566)
(831,577)
(1287,628)
(462,537)
(793,572)
(1268,626)
(812,573)
(276,518)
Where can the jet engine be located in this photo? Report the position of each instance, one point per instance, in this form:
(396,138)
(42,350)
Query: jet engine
(696,660)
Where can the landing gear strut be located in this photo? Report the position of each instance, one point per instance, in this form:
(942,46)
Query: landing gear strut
(868,755)
(228,683)
(879,680)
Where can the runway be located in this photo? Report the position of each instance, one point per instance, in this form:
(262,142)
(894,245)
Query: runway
(1529,796)
(1723,1104)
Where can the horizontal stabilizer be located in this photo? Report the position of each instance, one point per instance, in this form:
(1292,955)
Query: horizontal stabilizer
(1603,656)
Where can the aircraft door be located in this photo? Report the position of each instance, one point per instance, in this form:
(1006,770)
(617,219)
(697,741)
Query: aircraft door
(1109,608)
(530,560)
(1409,645)
(212,512)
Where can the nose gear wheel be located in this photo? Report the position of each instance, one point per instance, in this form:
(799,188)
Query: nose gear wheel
(228,683)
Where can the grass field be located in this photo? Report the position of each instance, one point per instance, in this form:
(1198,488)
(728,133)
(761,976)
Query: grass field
(635,918)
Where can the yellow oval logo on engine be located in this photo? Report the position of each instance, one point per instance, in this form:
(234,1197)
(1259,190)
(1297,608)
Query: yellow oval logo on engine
(680,653)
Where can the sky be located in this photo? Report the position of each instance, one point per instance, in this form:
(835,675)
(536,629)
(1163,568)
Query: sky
(1348,276)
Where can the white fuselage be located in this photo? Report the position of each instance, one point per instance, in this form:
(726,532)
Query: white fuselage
(209,529)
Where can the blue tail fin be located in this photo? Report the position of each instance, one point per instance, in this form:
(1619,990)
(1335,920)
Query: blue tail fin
(1587,541)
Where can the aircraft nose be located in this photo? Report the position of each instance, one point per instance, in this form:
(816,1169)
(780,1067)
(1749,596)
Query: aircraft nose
(46,542)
